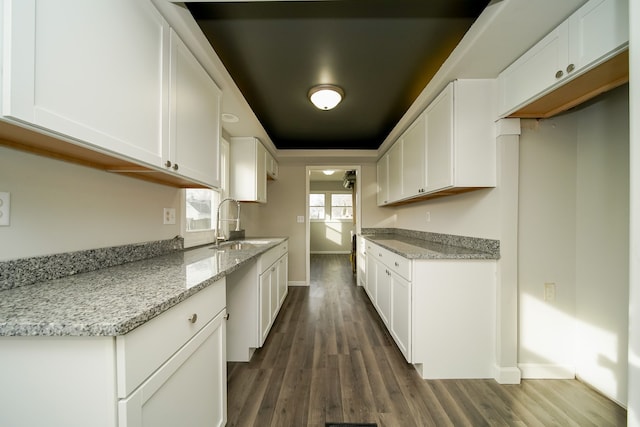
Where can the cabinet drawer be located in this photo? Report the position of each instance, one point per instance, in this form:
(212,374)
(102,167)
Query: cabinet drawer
(268,258)
(398,264)
(143,350)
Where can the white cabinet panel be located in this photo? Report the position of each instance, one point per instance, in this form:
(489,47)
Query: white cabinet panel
(194,145)
(395,172)
(93,71)
(382,179)
(400,321)
(283,279)
(439,117)
(596,29)
(541,67)
(413,158)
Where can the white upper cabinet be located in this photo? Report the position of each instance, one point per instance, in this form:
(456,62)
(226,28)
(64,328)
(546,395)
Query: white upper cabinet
(593,34)
(110,76)
(272,167)
(194,144)
(93,71)
(450,148)
(248,172)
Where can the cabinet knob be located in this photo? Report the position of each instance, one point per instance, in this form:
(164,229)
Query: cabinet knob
(379,254)
(397,265)
(167,164)
(570,68)
(193,318)
(559,74)
(175,167)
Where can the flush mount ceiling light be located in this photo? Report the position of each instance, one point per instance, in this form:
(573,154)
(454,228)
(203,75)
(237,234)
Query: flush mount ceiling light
(229,118)
(328,172)
(325,97)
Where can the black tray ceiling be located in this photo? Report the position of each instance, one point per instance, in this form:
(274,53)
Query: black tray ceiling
(381,52)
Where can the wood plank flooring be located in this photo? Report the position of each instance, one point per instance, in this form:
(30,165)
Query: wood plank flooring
(329,358)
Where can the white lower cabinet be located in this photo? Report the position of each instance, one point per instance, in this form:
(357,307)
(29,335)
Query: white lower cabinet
(440,313)
(190,389)
(256,293)
(169,371)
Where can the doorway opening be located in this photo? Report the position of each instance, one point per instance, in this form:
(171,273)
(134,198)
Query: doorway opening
(333,210)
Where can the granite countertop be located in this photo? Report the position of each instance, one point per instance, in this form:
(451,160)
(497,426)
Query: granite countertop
(115,300)
(414,248)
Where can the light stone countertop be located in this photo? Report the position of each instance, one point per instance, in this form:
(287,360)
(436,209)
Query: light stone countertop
(413,248)
(115,300)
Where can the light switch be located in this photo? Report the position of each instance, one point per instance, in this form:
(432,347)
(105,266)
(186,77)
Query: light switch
(300,219)
(5,208)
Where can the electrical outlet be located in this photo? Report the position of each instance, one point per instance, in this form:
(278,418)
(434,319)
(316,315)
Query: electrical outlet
(549,292)
(5,208)
(169,216)
(428,216)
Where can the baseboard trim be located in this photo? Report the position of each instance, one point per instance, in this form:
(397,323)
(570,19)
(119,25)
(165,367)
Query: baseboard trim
(507,375)
(547,371)
(297,283)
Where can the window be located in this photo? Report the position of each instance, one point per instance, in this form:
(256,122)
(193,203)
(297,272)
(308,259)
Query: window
(330,206)
(316,206)
(200,206)
(341,206)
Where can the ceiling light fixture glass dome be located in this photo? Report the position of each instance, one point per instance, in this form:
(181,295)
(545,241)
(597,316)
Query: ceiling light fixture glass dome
(326,97)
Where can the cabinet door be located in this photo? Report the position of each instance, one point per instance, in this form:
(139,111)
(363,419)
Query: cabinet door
(283,279)
(189,389)
(383,292)
(265,284)
(395,172)
(194,148)
(96,72)
(597,29)
(400,321)
(382,178)
(440,140)
(372,275)
(413,158)
(535,71)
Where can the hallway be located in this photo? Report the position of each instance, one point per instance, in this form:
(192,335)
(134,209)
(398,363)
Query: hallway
(329,358)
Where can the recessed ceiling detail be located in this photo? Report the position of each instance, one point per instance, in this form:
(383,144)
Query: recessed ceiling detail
(383,51)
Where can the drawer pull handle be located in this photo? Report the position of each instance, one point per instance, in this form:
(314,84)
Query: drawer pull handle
(226,316)
(570,68)
(167,164)
(559,74)
(193,318)
(396,263)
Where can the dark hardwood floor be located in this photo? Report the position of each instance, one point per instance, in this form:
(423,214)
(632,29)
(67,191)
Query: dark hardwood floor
(329,358)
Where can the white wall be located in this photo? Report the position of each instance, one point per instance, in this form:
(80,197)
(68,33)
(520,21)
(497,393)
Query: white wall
(471,214)
(60,207)
(573,231)
(546,246)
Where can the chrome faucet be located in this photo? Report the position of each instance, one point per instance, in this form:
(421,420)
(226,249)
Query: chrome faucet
(219,234)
